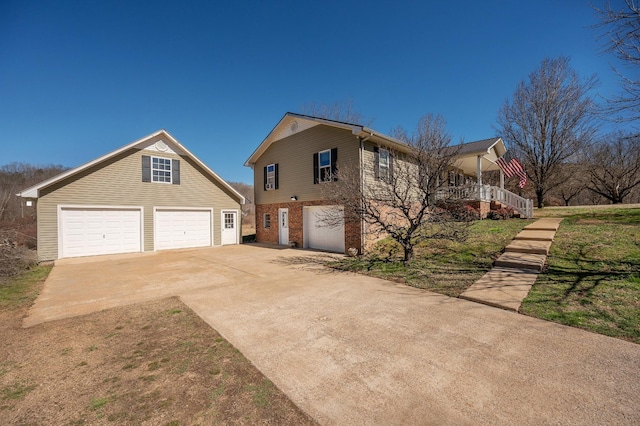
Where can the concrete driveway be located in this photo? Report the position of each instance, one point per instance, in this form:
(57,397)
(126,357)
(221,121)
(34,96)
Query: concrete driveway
(350,349)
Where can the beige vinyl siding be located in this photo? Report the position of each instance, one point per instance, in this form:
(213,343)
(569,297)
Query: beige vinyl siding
(118,182)
(294,155)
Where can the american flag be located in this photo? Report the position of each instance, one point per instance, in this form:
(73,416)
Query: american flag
(513,168)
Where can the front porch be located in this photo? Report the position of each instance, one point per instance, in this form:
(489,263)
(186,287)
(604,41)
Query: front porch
(485,195)
(472,160)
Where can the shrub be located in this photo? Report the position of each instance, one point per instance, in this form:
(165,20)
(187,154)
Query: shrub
(501,213)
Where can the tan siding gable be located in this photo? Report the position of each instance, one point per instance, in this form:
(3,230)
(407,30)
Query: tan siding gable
(118,181)
(294,155)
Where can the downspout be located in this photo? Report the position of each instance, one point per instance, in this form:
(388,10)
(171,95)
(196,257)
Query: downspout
(363,225)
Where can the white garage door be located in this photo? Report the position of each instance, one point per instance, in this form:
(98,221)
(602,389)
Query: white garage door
(95,231)
(319,236)
(182,229)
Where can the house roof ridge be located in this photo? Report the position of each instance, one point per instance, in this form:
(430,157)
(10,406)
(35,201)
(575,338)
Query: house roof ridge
(33,191)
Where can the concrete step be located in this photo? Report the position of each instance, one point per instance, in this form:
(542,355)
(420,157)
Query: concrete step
(528,246)
(545,224)
(534,235)
(501,287)
(530,262)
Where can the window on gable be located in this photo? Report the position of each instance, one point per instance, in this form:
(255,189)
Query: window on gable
(325,165)
(267,220)
(271,177)
(160,170)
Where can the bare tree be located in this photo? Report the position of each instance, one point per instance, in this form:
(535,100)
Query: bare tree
(342,111)
(402,203)
(615,167)
(573,178)
(15,177)
(620,30)
(248,208)
(548,119)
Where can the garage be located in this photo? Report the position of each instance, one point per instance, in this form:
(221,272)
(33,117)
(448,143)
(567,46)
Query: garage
(182,228)
(90,231)
(320,236)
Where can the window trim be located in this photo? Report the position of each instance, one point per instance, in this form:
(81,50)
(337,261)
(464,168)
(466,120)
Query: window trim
(266,224)
(154,178)
(384,170)
(321,167)
(271,178)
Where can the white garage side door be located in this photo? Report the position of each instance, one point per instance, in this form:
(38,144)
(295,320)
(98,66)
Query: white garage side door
(319,236)
(96,231)
(182,229)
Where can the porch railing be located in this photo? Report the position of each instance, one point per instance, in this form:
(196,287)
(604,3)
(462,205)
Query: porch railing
(488,193)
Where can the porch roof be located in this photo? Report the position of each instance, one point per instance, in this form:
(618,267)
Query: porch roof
(489,150)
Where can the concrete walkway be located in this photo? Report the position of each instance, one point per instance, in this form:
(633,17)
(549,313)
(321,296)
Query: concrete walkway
(516,270)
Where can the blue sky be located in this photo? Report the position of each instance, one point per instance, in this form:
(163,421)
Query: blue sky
(81,78)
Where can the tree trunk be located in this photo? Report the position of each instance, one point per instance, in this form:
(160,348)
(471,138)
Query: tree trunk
(540,197)
(408,253)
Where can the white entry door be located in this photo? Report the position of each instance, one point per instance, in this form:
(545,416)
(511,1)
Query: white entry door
(229,227)
(283,226)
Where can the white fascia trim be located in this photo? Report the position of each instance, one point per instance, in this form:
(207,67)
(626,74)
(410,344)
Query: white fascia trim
(34,191)
(355,129)
(97,207)
(197,209)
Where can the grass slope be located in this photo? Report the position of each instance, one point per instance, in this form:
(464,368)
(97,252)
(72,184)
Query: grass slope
(593,276)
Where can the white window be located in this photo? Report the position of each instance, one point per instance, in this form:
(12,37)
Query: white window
(229,222)
(271,177)
(267,220)
(160,169)
(383,164)
(324,165)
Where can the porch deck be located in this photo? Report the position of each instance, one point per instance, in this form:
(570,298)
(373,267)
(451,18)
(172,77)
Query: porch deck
(488,193)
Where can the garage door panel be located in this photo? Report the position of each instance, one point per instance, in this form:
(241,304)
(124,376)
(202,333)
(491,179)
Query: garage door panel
(319,236)
(182,229)
(95,231)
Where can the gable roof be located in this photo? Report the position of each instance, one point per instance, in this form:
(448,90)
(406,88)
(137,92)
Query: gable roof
(34,191)
(482,147)
(292,123)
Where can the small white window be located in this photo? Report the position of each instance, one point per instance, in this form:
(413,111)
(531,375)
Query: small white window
(383,164)
(324,165)
(267,220)
(161,170)
(271,177)
(229,222)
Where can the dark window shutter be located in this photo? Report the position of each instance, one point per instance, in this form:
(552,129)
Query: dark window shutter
(175,172)
(376,162)
(334,163)
(316,171)
(276,175)
(146,168)
(264,184)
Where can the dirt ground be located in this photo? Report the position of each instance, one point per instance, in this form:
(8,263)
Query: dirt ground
(155,363)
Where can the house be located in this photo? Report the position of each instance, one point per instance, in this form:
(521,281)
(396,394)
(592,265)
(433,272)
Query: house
(302,152)
(152,194)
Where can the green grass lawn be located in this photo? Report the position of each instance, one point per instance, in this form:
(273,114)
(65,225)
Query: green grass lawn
(442,266)
(593,276)
(592,280)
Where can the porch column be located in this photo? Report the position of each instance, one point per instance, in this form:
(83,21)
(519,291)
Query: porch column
(479,172)
(501,179)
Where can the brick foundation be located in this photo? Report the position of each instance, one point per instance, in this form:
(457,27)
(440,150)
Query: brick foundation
(352,231)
